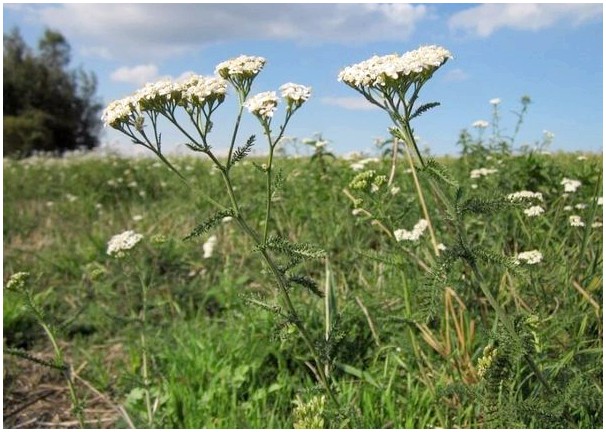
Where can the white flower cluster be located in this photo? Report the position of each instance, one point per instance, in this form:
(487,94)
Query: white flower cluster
(414,235)
(295,94)
(494,101)
(482,172)
(120,243)
(361,164)
(534,211)
(531,257)
(576,221)
(570,185)
(263,104)
(480,124)
(377,70)
(241,66)
(196,90)
(525,195)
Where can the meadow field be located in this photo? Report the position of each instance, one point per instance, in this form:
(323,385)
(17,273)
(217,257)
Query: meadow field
(191,332)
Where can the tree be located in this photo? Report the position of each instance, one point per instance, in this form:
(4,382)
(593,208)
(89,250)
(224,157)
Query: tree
(47,107)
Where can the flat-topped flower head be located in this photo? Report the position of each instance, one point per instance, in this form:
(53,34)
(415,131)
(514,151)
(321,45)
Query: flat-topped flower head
(295,94)
(122,243)
(156,94)
(530,257)
(263,104)
(240,67)
(199,90)
(480,124)
(118,112)
(379,71)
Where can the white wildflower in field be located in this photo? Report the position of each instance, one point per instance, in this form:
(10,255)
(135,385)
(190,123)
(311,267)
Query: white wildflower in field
(474,186)
(480,124)
(531,257)
(482,172)
(17,281)
(414,235)
(441,246)
(359,165)
(295,95)
(576,221)
(240,67)
(494,101)
(380,71)
(118,111)
(227,219)
(525,195)
(570,185)
(137,218)
(534,211)
(209,246)
(394,190)
(600,201)
(119,244)
(263,104)
(356,211)
(199,90)
(582,158)
(567,208)
(580,206)
(596,225)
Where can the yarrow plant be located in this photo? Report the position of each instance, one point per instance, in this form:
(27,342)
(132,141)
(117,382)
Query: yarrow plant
(199,97)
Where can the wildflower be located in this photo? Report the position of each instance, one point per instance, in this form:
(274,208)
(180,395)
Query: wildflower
(494,101)
(379,71)
(263,104)
(568,208)
(580,206)
(240,67)
(441,246)
(581,158)
(480,124)
(414,235)
(137,218)
(525,195)
(209,246)
(534,211)
(17,281)
(295,95)
(570,185)
(394,190)
(118,111)
(576,221)
(121,243)
(227,219)
(484,363)
(600,201)
(596,225)
(309,415)
(356,211)
(199,90)
(531,257)
(477,173)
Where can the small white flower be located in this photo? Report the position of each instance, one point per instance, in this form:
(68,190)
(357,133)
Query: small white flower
(120,243)
(480,124)
(582,158)
(568,208)
(209,246)
(494,101)
(263,104)
(534,211)
(482,172)
(414,235)
(295,94)
(531,257)
(356,211)
(570,185)
(240,67)
(576,221)
(596,225)
(580,206)
(394,190)
(600,201)
(137,218)
(227,219)
(441,246)
(525,195)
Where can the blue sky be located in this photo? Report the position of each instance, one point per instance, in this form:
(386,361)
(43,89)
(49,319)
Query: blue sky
(550,52)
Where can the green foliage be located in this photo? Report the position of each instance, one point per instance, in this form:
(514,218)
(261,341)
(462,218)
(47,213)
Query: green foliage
(47,108)
(423,109)
(210,223)
(241,152)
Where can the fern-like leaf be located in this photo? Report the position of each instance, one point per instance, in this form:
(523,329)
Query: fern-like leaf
(306,282)
(292,249)
(424,108)
(209,223)
(439,172)
(241,152)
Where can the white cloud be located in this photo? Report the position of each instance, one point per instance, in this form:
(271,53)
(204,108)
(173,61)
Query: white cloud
(137,75)
(136,31)
(351,103)
(455,75)
(485,19)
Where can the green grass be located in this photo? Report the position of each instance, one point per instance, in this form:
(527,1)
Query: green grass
(217,362)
